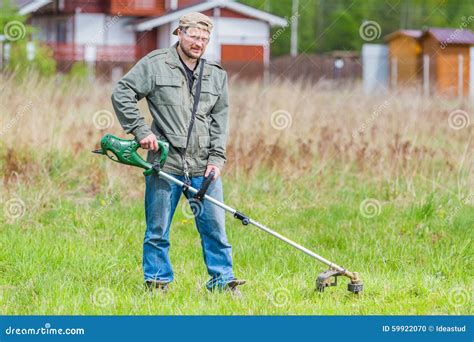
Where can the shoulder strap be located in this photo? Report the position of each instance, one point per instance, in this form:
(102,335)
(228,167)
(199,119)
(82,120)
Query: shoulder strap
(197,96)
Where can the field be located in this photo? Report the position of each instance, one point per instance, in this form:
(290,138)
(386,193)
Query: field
(382,184)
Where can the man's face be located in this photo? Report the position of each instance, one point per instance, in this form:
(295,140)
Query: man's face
(193,41)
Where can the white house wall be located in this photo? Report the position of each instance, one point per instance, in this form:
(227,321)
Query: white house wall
(116,32)
(100,29)
(164,36)
(89,28)
(171,37)
(240,31)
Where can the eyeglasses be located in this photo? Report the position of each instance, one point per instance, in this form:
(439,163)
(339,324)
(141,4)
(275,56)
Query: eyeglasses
(196,38)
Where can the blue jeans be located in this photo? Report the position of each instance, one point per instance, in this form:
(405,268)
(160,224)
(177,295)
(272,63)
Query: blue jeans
(161,199)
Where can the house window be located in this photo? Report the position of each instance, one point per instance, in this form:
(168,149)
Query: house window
(61,31)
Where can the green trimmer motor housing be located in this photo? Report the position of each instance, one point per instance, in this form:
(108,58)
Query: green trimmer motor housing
(125,152)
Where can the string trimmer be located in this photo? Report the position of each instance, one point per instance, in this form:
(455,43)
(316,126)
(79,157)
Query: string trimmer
(125,152)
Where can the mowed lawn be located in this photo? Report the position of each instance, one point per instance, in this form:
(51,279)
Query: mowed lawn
(413,249)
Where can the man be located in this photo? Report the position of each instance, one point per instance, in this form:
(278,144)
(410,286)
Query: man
(169,80)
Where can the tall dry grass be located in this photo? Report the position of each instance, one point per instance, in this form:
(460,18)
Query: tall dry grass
(291,128)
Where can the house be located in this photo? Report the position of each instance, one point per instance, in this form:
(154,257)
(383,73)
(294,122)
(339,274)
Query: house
(405,57)
(442,59)
(114,34)
(449,54)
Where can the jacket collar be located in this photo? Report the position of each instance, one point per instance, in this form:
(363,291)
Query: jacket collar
(172,57)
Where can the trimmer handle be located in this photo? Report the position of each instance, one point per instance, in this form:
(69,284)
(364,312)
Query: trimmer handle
(205,185)
(125,152)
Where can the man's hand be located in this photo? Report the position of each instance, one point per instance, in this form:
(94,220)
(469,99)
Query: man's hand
(209,168)
(149,143)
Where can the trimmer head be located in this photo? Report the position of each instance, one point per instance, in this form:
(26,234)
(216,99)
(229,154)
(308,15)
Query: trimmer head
(355,288)
(329,278)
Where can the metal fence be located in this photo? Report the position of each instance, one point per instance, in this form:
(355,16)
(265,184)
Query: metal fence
(335,66)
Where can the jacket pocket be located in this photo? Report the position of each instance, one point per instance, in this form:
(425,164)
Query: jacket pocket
(169,90)
(178,141)
(209,96)
(204,147)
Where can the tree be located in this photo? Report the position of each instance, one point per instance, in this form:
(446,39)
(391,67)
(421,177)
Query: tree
(334,24)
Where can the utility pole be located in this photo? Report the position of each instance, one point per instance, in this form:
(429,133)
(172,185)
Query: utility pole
(294,28)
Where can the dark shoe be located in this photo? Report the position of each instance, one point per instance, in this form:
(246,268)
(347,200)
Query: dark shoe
(157,285)
(235,282)
(231,287)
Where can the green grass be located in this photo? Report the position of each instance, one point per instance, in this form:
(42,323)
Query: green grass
(68,255)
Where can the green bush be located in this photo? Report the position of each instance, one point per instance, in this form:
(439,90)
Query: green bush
(17,33)
(43,61)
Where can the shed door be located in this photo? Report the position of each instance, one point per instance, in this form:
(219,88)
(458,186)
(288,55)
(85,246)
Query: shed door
(246,61)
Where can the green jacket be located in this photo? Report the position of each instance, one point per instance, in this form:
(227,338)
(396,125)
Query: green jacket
(161,79)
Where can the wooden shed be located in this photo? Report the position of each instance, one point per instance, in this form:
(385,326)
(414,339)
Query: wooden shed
(405,57)
(447,60)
